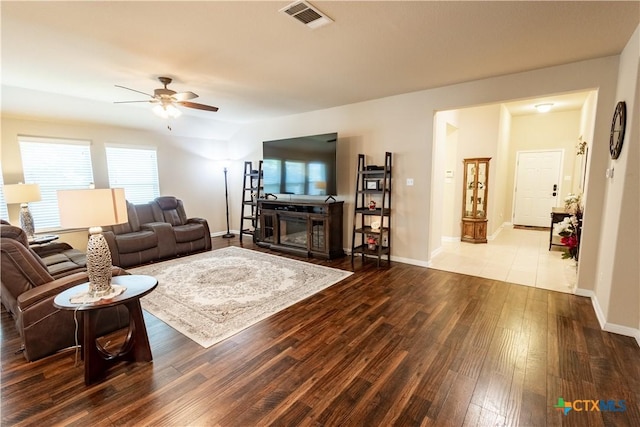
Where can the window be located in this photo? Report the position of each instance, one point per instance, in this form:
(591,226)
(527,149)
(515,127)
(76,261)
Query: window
(294,177)
(272,172)
(55,164)
(4,213)
(135,170)
(317,179)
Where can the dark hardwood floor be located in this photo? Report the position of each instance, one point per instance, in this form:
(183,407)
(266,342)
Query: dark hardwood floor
(403,345)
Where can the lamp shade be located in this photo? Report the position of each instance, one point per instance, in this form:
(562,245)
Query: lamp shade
(92,207)
(21,193)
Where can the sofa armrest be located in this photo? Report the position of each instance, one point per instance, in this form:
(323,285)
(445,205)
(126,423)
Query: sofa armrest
(51,289)
(205,224)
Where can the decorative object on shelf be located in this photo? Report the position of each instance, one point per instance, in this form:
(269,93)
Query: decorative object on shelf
(228,234)
(474,200)
(23,194)
(618,125)
(372,184)
(372,243)
(94,208)
(375,225)
(372,205)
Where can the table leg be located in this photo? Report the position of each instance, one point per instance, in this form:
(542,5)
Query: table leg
(138,340)
(135,348)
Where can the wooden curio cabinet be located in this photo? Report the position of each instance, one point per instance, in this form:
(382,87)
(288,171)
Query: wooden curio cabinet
(474,200)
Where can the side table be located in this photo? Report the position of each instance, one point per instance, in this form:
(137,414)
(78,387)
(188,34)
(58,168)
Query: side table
(557,215)
(136,346)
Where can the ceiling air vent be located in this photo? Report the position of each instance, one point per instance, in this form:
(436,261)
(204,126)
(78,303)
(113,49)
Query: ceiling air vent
(307,14)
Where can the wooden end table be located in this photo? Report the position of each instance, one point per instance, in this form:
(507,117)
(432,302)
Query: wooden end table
(136,346)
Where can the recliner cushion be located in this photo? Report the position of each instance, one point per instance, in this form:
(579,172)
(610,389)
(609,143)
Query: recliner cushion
(188,232)
(135,242)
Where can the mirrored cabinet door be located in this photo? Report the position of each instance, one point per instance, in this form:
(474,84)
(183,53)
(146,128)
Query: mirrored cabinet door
(481,200)
(470,184)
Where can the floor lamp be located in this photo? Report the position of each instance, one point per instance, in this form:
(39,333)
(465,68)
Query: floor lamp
(226,199)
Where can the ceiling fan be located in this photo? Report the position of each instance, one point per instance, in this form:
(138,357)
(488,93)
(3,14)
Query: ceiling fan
(167,100)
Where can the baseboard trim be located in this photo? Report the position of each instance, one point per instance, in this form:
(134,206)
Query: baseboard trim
(409,261)
(436,252)
(606,326)
(222,233)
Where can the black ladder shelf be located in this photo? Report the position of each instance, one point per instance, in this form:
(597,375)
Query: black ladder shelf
(251,192)
(373,184)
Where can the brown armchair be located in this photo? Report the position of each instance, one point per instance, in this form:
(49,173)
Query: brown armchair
(28,290)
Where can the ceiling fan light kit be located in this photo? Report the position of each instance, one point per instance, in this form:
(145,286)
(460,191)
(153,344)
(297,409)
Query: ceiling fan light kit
(168,111)
(167,101)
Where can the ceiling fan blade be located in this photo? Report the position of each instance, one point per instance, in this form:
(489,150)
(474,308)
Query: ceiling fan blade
(183,96)
(127,88)
(129,102)
(197,106)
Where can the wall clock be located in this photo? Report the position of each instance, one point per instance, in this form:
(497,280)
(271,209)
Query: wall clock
(617,129)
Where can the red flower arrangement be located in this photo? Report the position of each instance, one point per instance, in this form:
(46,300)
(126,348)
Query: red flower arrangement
(568,229)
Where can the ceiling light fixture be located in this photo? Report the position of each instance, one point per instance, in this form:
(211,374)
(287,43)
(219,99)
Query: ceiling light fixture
(544,108)
(166,111)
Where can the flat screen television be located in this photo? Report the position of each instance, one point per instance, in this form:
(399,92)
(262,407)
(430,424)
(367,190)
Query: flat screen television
(301,166)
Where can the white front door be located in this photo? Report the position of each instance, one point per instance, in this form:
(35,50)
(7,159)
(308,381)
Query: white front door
(537,187)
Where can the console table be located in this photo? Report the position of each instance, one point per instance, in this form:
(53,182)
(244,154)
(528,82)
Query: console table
(303,228)
(557,216)
(136,346)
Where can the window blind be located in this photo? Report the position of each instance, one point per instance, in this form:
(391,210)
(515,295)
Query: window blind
(4,213)
(55,164)
(135,170)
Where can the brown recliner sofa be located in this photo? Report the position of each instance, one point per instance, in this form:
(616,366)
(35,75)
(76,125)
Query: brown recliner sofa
(29,288)
(156,230)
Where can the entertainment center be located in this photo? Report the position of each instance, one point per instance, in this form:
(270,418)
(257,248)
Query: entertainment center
(302,227)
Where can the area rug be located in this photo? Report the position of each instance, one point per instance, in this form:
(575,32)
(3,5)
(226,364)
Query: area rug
(211,296)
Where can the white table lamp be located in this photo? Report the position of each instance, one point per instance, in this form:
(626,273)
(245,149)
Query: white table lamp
(23,194)
(94,208)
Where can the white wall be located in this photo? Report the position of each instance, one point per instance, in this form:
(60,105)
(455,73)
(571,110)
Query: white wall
(501,186)
(617,286)
(479,135)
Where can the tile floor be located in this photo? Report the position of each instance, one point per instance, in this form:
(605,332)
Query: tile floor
(515,256)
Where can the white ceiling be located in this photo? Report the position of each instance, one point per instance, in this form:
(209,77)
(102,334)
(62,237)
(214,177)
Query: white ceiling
(61,60)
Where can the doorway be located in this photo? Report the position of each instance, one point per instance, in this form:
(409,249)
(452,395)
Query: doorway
(537,186)
(502,131)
